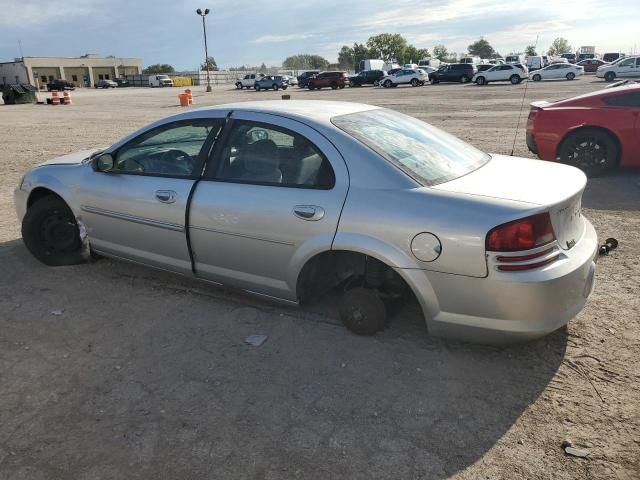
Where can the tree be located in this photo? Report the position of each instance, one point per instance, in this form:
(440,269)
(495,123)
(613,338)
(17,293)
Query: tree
(158,68)
(530,51)
(387,46)
(440,52)
(345,58)
(482,49)
(263,68)
(213,66)
(559,46)
(414,55)
(305,61)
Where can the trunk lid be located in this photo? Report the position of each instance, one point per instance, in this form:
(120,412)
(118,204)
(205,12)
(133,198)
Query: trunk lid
(555,187)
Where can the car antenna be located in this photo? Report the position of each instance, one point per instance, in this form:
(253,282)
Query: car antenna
(524,95)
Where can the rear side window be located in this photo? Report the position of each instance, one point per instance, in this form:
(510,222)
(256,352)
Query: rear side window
(624,100)
(264,154)
(425,153)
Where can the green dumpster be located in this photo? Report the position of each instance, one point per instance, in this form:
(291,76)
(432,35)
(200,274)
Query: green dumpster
(19,93)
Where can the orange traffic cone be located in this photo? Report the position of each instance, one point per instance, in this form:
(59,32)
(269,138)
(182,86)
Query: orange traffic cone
(184,99)
(55,98)
(67,98)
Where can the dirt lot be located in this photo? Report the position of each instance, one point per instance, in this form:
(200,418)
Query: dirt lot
(141,374)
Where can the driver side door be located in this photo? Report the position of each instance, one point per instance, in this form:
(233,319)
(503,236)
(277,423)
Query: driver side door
(136,210)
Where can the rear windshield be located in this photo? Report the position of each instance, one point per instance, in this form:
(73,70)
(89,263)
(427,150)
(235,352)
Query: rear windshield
(425,153)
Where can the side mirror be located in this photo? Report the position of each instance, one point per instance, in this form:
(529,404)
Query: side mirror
(103,163)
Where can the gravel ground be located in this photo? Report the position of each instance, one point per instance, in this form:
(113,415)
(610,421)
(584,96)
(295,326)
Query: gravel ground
(111,370)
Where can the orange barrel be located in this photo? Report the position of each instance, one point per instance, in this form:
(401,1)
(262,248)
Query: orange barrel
(190,95)
(67,98)
(184,99)
(55,98)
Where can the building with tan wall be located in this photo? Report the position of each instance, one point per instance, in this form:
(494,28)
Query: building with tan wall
(84,71)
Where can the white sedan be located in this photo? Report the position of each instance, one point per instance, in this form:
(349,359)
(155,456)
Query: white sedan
(513,73)
(557,71)
(407,76)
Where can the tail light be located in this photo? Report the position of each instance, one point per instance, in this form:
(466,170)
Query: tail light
(527,234)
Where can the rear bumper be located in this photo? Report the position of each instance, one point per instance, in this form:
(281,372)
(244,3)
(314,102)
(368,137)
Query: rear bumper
(512,306)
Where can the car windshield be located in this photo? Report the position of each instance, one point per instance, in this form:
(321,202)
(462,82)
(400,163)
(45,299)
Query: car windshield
(425,153)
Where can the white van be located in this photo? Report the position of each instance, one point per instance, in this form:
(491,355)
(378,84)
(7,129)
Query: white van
(160,81)
(474,60)
(515,58)
(371,64)
(429,62)
(535,63)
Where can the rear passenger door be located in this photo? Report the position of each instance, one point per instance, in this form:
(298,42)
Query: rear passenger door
(270,199)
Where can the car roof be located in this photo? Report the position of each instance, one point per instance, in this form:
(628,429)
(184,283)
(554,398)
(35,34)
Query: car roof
(305,110)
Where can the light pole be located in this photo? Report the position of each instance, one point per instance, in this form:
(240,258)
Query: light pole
(206,53)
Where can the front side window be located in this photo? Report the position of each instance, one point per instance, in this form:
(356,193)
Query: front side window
(264,154)
(170,150)
(627,63)
(425,153)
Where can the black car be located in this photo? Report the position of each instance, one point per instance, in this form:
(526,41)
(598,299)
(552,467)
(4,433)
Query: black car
(454,72)
(366,77)
(60,85)
(303,78)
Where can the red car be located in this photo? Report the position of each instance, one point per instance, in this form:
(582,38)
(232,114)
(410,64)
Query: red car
(595,132)
(591,64)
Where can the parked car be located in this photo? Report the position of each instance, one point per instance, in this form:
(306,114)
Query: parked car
(293,81)
(591,65)
(612,57)
(596,132)
(557,71)
(470,59)
(627,67)
(303,78)
(334,80)
(585,56)
(366,77)
(501,73)
(275,82)
(248,81)
(290,206)
(454,72)
(122,82)
(60,85)
(106,84)
(414,77)
(571,57)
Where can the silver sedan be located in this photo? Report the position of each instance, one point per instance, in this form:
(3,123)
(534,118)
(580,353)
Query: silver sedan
(293,199)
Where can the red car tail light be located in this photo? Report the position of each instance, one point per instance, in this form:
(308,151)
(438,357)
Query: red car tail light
(520,235)
(524,234)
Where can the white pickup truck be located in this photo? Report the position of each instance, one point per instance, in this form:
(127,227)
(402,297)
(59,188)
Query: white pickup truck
(248,81)
(160,81)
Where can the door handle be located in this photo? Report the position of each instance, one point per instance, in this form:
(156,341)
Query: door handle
(308,212)
(166,196)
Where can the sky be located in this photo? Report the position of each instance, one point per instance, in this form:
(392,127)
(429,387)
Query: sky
(249,32)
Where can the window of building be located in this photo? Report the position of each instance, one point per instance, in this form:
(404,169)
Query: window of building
(4,80)
(51,78)
(100,77)
(17,79)
(43,78)
(74,78)
(106,76)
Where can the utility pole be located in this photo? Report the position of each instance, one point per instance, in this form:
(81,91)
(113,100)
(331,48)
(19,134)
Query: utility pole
(206,53)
